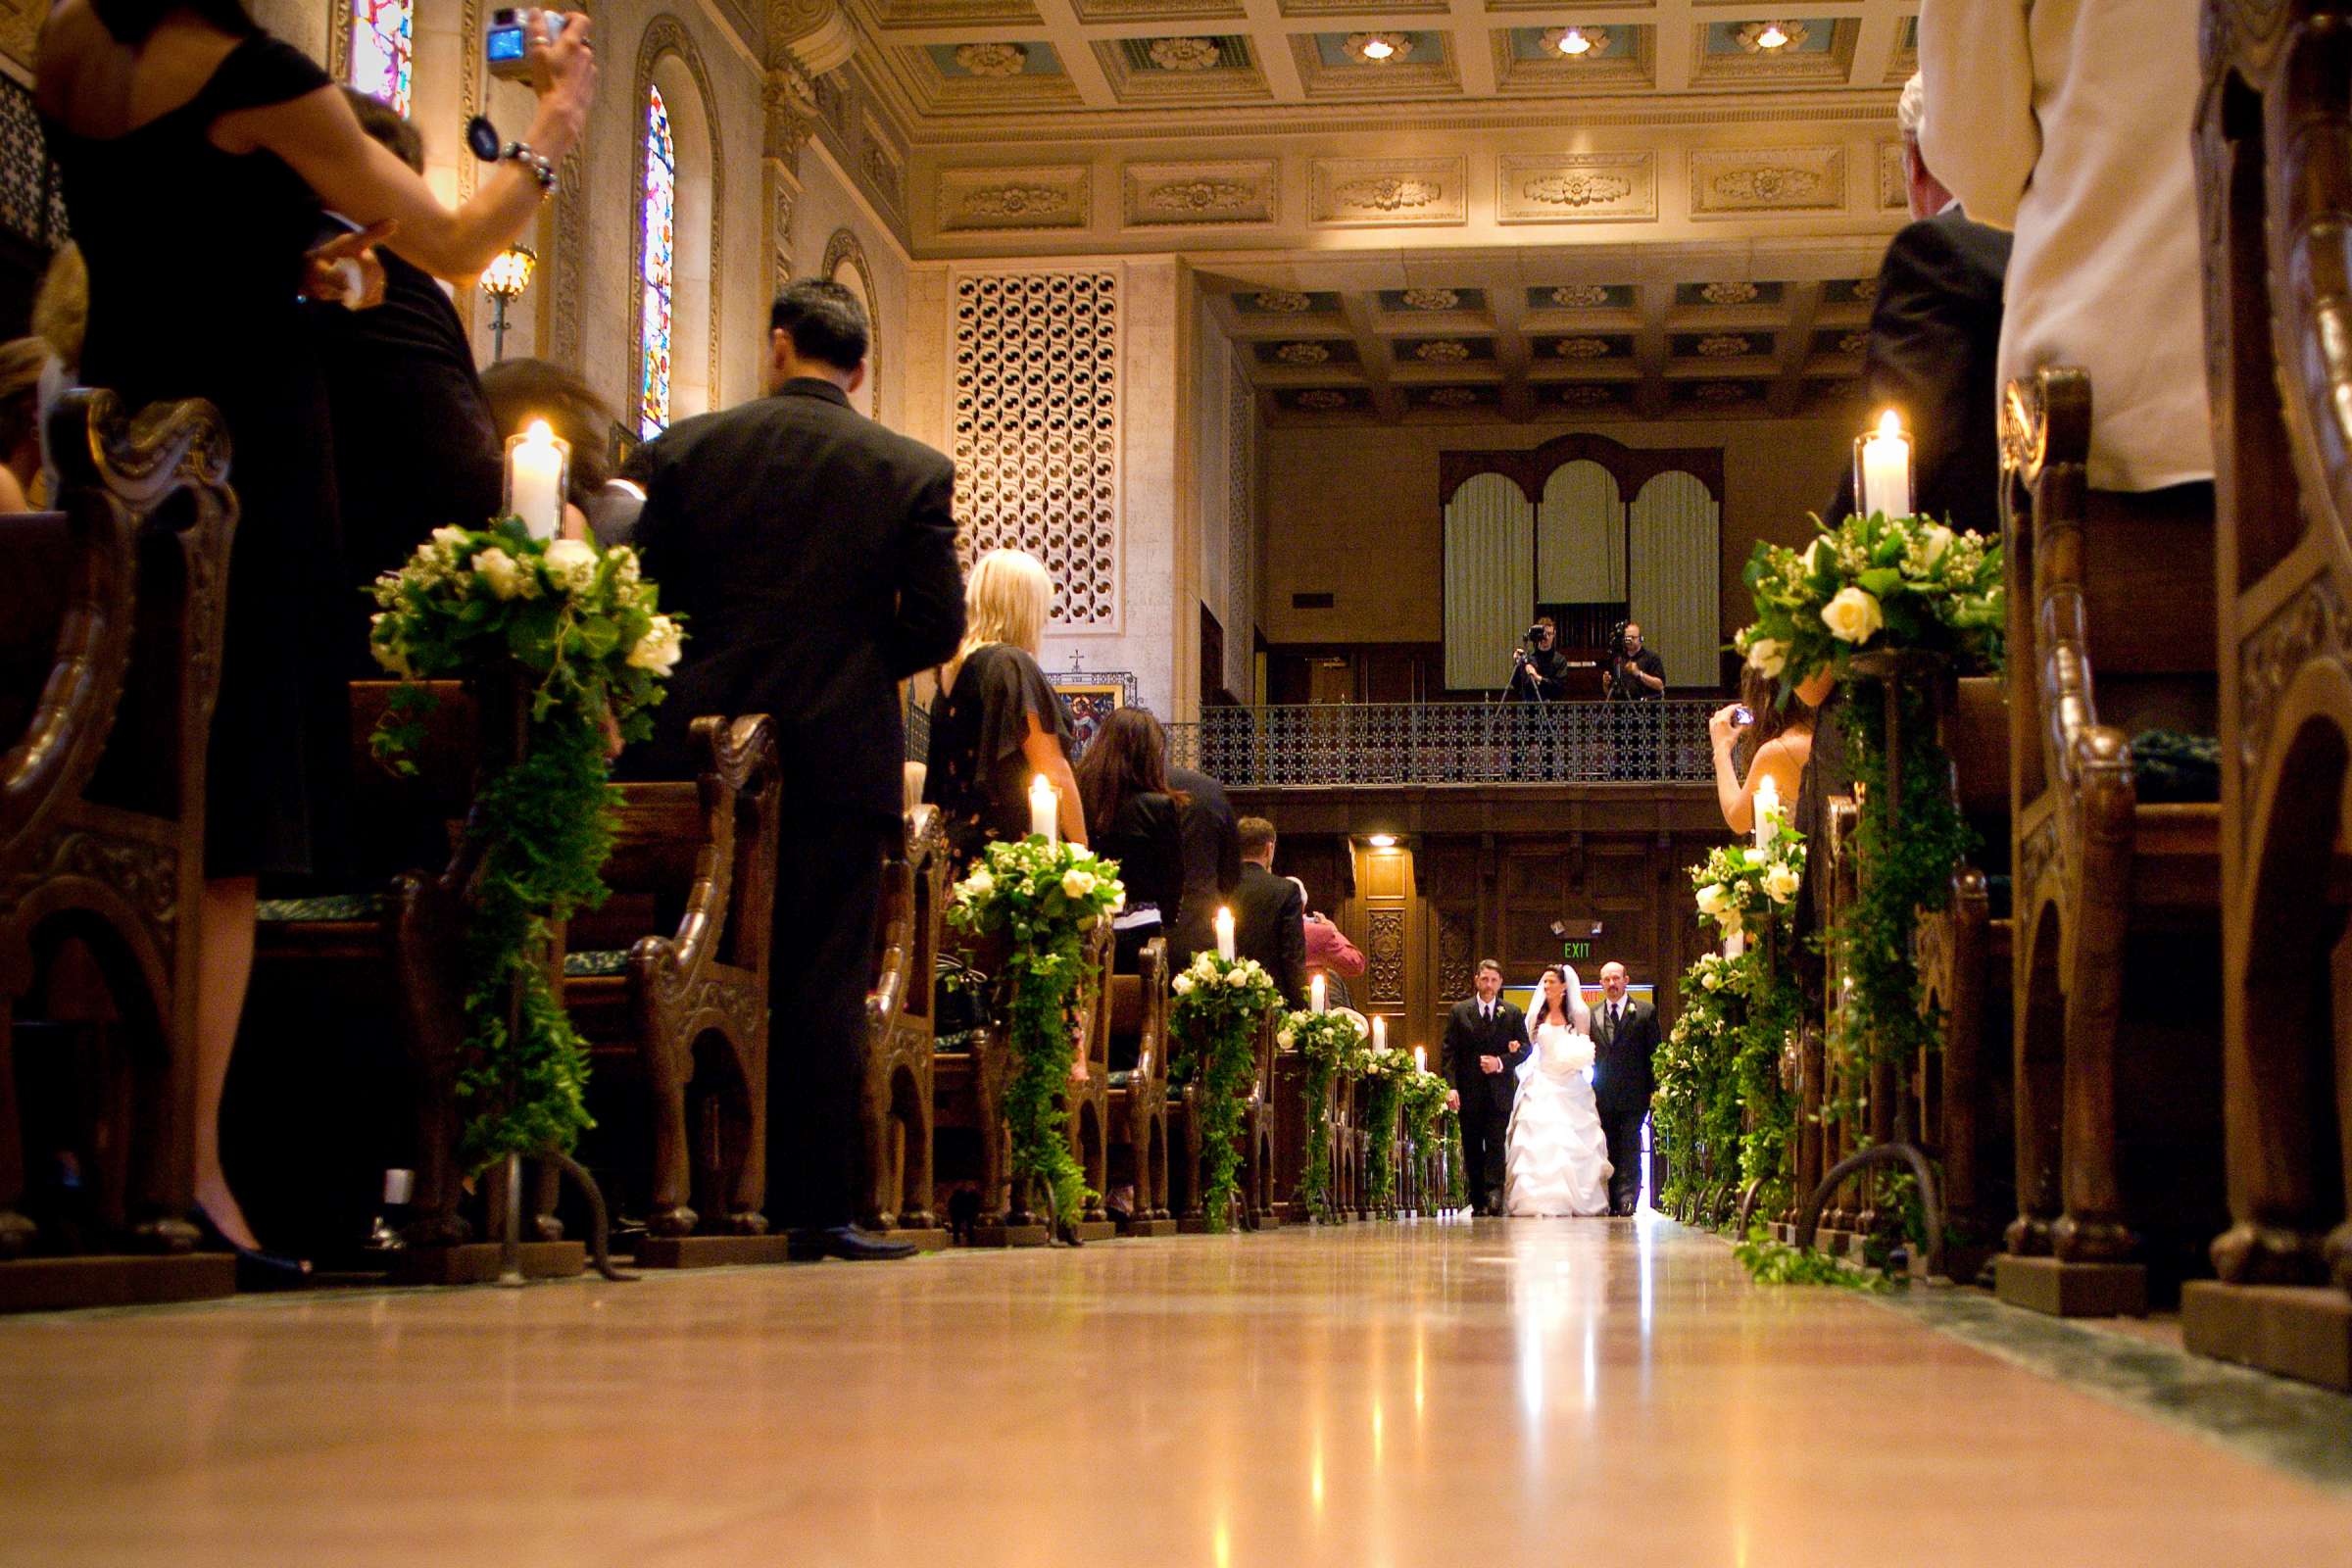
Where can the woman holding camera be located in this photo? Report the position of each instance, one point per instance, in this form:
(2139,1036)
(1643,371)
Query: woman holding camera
(1779,739)
(201,160)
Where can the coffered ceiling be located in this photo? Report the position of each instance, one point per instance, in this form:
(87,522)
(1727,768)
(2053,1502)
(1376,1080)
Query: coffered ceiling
(1625,332)
(1188,63)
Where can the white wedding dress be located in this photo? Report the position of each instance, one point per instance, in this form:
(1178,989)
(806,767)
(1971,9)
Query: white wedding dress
(1556,1158)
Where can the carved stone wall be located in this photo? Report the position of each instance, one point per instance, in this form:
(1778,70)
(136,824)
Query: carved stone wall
(1240,523)
(1036,430)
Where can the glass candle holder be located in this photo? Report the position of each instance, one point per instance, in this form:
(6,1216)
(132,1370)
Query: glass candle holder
(538,477)
(1883,468)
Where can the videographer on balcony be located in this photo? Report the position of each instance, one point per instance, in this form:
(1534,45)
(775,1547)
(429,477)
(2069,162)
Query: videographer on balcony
(1539,675)
(1635,674)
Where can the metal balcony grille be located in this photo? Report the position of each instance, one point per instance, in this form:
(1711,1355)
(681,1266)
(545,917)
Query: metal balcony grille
(1451,743)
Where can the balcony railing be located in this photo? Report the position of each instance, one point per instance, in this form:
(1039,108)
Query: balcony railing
(1451,743)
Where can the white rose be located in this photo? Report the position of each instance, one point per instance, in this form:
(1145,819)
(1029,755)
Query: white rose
(572,563)
(980,881)
(1237,979)
(658,649)
(450,540)
(1768,657)
(1285,1040)
(1780,883)
(1076,884)
(1710,980)
(1854,617)
(1710,898)
(1181,985)
(1934,540)
(501,571)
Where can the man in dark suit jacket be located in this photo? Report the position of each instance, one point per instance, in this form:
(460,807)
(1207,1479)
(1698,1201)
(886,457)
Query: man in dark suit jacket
(1212,861)
(813,555)
(1486,1040)
(1269,913)
(1625,1043)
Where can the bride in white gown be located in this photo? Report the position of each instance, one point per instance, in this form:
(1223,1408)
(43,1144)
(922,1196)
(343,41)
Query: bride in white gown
(1556,1158)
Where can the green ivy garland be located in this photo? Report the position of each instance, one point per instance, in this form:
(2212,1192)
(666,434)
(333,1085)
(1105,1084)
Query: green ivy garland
(1327,1044)
(1047,900)
(1423,1101)
(1457,1180)
(1385,1073)
(577,632)
(1219,1006)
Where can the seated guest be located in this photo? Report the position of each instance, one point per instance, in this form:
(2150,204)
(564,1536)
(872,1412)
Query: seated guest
(1212,861)
(997,722)
(521,390)
(1135,821)
(2068,124)
(22,362)
(1329,952)
(813,555)
(1269,913)
(415,448)
(1935,337)
(1776,740)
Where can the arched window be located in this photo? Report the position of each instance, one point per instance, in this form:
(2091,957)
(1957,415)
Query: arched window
(661,218)
(381,34)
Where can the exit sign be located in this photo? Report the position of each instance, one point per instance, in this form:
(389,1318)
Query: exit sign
(1576,950)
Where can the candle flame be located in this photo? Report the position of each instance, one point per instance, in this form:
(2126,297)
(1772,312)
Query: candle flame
(539,433)
(1890,426)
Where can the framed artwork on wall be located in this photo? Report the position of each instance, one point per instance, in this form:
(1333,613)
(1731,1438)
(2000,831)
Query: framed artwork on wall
(1090,700)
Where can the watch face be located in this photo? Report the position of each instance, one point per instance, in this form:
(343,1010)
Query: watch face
(481,139)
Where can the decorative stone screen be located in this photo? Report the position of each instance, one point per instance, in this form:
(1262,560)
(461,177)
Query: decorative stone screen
(1036,430)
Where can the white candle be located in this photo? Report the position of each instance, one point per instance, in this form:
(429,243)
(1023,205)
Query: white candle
(1317,993)
(1768,809)
(1380,1032)
(1225,935)
(1887,470)
(1735,945)
(535,480)
(1044,809)
(1420,1059)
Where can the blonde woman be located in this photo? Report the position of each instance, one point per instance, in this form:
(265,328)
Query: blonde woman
(997,722)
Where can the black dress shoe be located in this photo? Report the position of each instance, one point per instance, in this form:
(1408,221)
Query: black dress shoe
(257,1270)
(847,1243)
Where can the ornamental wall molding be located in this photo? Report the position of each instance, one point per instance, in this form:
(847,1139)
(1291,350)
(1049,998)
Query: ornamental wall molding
(1576,187)
(1727,181)
(1895,179)
(1360,192)
(1013,199)
(1177,194)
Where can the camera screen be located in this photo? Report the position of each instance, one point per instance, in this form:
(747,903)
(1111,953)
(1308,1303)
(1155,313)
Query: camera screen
(505,43)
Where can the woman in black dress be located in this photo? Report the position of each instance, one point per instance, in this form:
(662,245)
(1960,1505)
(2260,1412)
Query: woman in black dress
(198,155)
(1138,821)
(997,722)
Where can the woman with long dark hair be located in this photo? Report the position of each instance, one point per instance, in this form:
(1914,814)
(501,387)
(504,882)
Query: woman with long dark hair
(1556,1154)
(199,159)
(1776,742)
(1137,820)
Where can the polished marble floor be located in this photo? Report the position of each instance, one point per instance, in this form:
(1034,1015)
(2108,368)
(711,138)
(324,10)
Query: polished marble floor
(1580,1393)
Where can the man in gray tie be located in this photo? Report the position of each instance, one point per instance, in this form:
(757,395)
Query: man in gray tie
(1625,1038)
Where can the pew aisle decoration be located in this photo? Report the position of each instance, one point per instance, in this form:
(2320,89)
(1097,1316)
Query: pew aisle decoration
(577,632)
(1720,1073)
(1424,1101)
(1386,1070)
(1046,898)
(1458,1179)
(1220,1004)
(1331,1045)
(1878,599)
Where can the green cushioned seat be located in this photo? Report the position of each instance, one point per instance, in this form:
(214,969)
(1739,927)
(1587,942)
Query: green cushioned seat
(959,1041)
(1123,1079)
(595,966)
(330,907)
(2171,768)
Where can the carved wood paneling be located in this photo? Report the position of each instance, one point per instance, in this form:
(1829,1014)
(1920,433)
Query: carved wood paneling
(1383,956)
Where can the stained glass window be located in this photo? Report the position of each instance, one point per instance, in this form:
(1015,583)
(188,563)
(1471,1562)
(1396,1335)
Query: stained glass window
(381,31)
(660,257)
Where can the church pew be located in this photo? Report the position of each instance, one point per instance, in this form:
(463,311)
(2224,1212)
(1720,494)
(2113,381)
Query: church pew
(2117,900)
(1136,1109)
(1087,1101)
(111,626)
(668,983)
(1187,1146)
(894,1083)
(2274,185)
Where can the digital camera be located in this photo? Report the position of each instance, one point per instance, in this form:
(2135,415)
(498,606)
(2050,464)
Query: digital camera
(505,47)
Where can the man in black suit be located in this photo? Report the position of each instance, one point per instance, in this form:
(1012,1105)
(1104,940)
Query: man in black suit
(1212,861)
(813,555)
(1625,1042)
(1269,913)
(1486,1040)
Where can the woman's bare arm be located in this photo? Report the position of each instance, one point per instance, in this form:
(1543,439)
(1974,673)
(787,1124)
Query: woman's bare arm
(1042,750)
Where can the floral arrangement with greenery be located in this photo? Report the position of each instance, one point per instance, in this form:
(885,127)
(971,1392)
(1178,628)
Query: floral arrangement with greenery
(1423,1102)
(1330,1044)
(1046,899)
(1218,1008)
(1896,585)
(1387,1070)
(1458,1179)
(580,629)
(1695,1111)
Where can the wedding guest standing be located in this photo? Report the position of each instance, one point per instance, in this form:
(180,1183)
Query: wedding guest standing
(998,723)
(1212,861)
(1625,1041)
(1329,952)
(1777,737)
(1485,1041)
(414,446)
(1136,819)
(195,153)
(1269,913)
(813,555)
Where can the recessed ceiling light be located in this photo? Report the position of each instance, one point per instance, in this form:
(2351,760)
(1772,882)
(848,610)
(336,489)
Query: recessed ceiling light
(1574,42)
(1378,48)
(1774,37)
(1381,841)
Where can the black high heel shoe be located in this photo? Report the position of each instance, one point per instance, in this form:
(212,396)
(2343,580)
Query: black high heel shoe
(257,1270)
